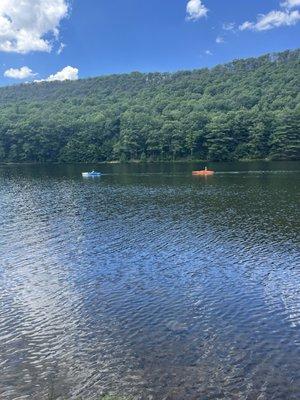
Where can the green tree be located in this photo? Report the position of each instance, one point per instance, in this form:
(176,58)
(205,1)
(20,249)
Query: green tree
(285,142)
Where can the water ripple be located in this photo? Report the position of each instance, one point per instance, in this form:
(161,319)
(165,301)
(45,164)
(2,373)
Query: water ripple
(149,287)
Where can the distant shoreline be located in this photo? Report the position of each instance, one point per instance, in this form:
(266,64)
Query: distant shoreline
(181,161)
(246,110)
(132,162)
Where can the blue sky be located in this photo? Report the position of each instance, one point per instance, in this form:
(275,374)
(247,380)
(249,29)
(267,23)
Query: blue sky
(95,37)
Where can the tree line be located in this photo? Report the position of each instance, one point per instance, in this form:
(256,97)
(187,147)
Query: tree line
(246,109)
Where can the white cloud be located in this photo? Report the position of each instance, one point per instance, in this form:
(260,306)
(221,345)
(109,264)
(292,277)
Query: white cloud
(195,10)
(290,3)
(220,39)
(246,25)
(208,53)
(61,48)
(229,26)
(24,24)
(66,74)
(273,19)
(21,73)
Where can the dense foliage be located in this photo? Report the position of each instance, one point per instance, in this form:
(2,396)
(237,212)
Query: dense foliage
(245,109)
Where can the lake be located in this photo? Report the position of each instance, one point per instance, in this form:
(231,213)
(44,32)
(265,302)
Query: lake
(150,283)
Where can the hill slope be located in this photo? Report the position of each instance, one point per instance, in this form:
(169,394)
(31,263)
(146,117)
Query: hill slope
(244,109)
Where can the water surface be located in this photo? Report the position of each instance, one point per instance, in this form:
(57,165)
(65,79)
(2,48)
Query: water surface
(150,283)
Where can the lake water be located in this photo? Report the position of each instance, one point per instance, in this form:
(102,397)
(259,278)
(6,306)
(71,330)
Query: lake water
(149,283)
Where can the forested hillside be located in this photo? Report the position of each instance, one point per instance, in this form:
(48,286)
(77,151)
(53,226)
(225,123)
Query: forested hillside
(242,110)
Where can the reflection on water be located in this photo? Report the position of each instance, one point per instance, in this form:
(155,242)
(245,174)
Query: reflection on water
(149,282)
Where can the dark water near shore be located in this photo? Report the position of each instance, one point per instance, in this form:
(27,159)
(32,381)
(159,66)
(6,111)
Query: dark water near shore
(150,283)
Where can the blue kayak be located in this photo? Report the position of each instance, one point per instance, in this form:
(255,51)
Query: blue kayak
(91,174)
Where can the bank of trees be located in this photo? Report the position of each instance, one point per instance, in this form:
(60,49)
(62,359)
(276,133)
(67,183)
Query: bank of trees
(247,109)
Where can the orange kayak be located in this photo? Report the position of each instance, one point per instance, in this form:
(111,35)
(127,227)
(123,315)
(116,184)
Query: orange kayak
(204,172)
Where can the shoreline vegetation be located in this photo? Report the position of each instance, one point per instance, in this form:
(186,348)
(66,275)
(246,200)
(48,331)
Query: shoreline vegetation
(117,162)
(245,110)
